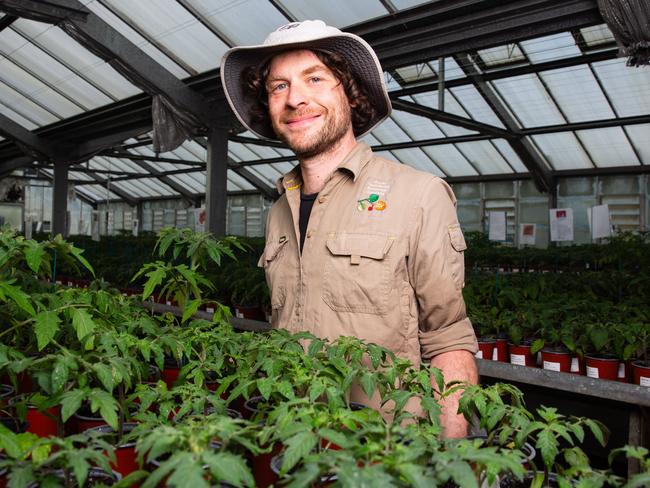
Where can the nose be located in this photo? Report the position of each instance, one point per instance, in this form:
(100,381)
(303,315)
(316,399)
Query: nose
(297,95)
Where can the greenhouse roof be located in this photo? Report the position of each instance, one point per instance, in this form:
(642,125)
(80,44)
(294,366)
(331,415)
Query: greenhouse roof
(540,93)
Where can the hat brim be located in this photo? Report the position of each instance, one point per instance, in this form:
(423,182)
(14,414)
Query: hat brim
(360,57)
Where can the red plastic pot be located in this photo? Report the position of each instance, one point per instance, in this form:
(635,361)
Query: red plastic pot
(521,355)
(125,456)
(556,360)
(501,350)
(603,366)
(251,313)
(86,421)
(170,373)
(486,348)
(43,424)
(641,373)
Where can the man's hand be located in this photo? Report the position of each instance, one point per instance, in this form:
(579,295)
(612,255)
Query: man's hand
(455,366)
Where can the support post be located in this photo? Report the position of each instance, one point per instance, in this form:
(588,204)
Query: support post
(216,182)
(60,200)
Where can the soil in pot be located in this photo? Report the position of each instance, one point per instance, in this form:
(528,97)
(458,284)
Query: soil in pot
(603,366)
(556,359)
(520,354)
(641,373)
(486,346)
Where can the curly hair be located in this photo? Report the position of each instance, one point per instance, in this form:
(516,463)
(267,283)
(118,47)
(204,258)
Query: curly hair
(362,111)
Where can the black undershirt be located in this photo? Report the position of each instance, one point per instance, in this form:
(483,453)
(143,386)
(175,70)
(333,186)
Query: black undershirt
(306,204)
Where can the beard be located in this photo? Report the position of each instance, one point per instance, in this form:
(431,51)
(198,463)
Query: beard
(305,146)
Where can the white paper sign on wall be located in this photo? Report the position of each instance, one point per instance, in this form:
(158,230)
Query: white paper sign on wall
(561,222)
(497,226)
(599,221)
(527,234)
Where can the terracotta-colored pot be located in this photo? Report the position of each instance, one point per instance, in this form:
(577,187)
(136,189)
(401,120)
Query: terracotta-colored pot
(486,348)
(43,424)
(641,373)
(521,355)
(170,372)
(603,366)
(556,359)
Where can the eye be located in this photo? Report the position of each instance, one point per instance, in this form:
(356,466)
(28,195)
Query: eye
(315,79)
(277,87)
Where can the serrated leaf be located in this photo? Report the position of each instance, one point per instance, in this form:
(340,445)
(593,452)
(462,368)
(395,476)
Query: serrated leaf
(187,473)
(548,446)
(46,325)
(82,323)
(71,402)
(316,389)
(18,296)
(34,254)
(80,469)
(60,375)
(190,309)
(107,406)
(230,468)
(155,278)
(368,383)
(105,375)
(462,474)
(21,476)
(415,475)
(298,446)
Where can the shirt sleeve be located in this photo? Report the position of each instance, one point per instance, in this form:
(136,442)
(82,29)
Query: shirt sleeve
(437,273)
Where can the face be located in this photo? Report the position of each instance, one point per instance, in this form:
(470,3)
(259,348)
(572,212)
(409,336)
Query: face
(307,104)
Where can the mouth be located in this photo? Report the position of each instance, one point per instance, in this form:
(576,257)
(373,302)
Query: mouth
(297,122)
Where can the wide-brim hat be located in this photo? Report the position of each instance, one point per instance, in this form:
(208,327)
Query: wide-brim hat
(310,34)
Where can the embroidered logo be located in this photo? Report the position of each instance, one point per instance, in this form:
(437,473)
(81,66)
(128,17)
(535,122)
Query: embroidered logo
(371,203)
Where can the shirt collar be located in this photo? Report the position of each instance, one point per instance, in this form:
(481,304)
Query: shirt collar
(354,162)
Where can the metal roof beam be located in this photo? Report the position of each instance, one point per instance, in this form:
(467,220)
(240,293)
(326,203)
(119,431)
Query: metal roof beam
(42,11)
(6,21)
(590,124)
(26,140)
(177,187)
(449,118)
(99,180)
(543,177)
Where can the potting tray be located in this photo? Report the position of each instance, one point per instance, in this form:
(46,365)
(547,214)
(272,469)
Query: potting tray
(237,323)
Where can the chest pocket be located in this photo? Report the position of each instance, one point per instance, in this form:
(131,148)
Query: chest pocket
(271,261)
(358,272)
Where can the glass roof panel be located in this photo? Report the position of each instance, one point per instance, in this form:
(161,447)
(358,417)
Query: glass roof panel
(452,70)
(388,132)
(262,152)
(199,153)
(476,105)
(183,181)
(562,151)
(58,44)
(33,88)
(137,39)
(391,82)
(597,34)
(265,173)
(608,147)
(577,93)
(500,55)
(16,117)
(76,175)
(96,192)
(25,107)
(336,13)
(450,160)
(529,100)
(484,157)
(370,139)
(404,4)
(241,183)
(417,159)
(415,126)
(548,48)
(241,151)
(627,88)
(176,29)
(511,156)
(430,99)
(284,168)
(415,73)
(243,23)
(639,136)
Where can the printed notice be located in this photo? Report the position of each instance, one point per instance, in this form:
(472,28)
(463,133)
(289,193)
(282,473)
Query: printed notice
(551,366)
(479,354)
(495,354)
(497,226)
(518,359)
(621,370)
(644,381)
(527,233)
(561,222)
(592,372)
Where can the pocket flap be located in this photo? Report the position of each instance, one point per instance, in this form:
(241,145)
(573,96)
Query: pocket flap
(457,238)
(272,250)
(372,246)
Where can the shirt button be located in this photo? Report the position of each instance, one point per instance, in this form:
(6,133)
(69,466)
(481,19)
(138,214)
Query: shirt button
(322,199)
(309,234)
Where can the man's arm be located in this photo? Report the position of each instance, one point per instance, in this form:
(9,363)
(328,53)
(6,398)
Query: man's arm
(456,366)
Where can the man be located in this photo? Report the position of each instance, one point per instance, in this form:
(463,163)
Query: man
(355,245)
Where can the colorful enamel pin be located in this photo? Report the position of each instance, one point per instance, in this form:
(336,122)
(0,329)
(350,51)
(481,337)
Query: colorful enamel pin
(371,203)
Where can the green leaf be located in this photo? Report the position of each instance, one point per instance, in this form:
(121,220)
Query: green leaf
(106,404)
(76,252)
(71,402)
(21,476)
(188,473)
(18,296)
(155,278)
(298,446)
(82,322)
(80,468)
(305,477)
(34,254)
(190,309)
(60,374)
(105,375)
(230,468)
(368,383)
(415,475)
(46,325)
(548,446)
(537,346)
(599,430)
(462,474)
(266,386)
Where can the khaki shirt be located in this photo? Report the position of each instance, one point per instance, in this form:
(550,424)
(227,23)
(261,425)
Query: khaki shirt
(382,259)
